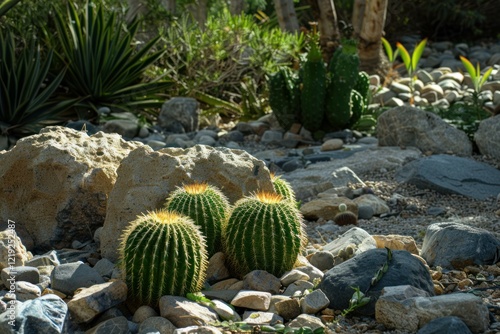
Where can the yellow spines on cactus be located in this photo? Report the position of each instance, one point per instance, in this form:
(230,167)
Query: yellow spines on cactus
(162,253)
(263,232)
(207,206)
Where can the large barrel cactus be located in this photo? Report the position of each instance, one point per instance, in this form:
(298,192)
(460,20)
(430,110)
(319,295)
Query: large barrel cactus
(263,232)
(162,253)
(208,208)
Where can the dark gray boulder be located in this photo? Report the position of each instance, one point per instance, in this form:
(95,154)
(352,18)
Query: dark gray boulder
(454,245)
(445,325)
(404,269)
(179,115)
(449,174)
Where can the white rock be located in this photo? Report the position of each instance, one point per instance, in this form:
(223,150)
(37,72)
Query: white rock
(332,145)
(261,318)
(314,302)
(145,178)
(304,320)
(183,313)
(12,250)
(66,177)
(293,275)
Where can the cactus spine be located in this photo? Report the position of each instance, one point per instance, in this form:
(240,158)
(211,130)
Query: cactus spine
(162,253)
(263,232)
(208,208)
(313,89)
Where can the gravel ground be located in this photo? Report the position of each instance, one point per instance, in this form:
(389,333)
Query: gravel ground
(409,216)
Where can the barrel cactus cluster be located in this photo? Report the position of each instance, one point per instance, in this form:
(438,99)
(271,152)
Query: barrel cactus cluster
(322,98)
(166,252)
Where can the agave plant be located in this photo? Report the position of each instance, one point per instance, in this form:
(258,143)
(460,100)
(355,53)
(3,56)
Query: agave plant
(104,67)
(26,103)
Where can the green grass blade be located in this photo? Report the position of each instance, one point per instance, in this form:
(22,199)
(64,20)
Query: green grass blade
(405,56)
(388,49)
(469,67)
(485,77)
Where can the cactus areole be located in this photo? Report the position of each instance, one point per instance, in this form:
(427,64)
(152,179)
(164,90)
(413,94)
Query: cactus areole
(162,253)
(264,232)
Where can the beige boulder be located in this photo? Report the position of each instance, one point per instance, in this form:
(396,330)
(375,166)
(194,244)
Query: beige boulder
(12,250)
(327,207)
(397,242)
(146,177)
(55,184)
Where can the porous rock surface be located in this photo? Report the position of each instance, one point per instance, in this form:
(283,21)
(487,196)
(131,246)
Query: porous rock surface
(55,184)
(146,177)
(407,126)
(487,137)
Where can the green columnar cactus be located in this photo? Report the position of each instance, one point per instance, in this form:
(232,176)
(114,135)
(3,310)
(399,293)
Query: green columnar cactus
(280,98)
(313,90)
(207,206)
(162,253)
(283,188)
(263,232)
(343,69)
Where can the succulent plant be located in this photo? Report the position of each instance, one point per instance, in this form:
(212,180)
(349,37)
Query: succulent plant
(282,187)
(162,253)
(313,89)
(207,206)
(345,217)
(284,97)
(263,232)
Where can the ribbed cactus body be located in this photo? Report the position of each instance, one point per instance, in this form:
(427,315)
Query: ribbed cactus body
(207,206)
(263,232)
(280,98)
(343,68)
(313,94)
(162,253)
(283,188)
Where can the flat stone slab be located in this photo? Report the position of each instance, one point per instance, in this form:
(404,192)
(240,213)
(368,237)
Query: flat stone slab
(449,174)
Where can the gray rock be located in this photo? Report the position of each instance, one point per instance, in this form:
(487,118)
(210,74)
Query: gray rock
(260,280)
(118,325)
(298,288)
(409,314)
(322,260)
(236,136)
(183,313)
(180,114)
(225,311)
(261,318)
(322,176)
(288,308)
(162,325)
(404,269)
(365,212)
(487,136)
(271,137)
(292,276)
(306,320)
(254,300)
(445,325)
(26,291)
(24,273)
(407,126)
(440,173)
(104,267)
(455,245)
(46,314)
(314,302)
(156,144)
(124,127)
(197,330)
(71,276)
(207,140)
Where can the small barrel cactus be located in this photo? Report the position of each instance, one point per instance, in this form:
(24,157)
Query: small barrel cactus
(345,217)
(162,253)
(263,232)
(207,206)
(283,188)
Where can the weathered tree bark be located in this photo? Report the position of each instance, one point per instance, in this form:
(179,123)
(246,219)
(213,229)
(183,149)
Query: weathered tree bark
(287,17)
(236,7)
(368,21)
(324,13)
(199,10)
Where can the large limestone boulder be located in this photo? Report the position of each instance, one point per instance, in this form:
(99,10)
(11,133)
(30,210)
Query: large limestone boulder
(55,185)
(146,177)
(407,126)
(487,137)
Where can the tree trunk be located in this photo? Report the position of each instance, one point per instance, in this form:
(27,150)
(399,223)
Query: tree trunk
(286,15)
(324,13)
(368,21)
(199,10)
(236,7)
